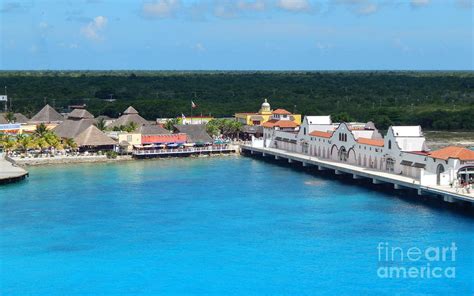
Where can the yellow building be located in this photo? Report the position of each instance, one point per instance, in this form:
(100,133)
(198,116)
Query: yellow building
(264,114)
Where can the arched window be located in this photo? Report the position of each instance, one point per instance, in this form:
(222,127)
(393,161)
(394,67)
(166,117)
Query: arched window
(389,144)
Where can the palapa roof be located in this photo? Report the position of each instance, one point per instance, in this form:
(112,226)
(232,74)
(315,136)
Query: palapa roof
(19,118)
(92,136)
(71,128)
(130,110)
(47,114)
(80,113)
(460,153)
(152,129)
(129,115)
(196,133)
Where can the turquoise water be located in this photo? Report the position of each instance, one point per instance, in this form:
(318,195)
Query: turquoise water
(217,226)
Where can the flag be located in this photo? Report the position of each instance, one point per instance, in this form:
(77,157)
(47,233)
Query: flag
(193,105)
(182,116)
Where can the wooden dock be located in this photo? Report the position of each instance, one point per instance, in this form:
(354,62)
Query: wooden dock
(447,193)
(9,172)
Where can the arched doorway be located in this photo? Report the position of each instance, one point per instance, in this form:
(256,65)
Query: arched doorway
(342,154)
(439,171)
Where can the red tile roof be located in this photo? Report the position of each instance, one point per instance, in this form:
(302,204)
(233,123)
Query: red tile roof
(280,123)
(371,142)
(320,134)
(281,112)
(453,152)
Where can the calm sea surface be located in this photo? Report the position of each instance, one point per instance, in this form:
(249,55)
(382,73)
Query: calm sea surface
(219,226)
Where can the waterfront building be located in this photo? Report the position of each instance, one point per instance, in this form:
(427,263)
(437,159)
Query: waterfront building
(201,119)
(18,118)
(403,151)
(156,136)
(80,127)
(263,115)
(47,115)
(196,134)
(129,115)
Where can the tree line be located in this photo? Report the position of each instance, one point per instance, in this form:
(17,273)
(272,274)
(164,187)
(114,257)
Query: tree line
(435,100)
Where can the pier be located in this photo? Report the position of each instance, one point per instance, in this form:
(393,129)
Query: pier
(446,193)
(10,173)
(183,152)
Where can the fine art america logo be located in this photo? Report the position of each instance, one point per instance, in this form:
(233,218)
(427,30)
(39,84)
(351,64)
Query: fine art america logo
(429,263)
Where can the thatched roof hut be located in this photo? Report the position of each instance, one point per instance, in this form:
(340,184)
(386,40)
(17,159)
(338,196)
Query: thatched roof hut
(80,127)
(19,118)
(47,115)
(80,113)
(196,133)
(152,129)
(93,137)
(129,115)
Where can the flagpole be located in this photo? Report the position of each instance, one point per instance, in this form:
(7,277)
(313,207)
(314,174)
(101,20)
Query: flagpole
(191,112)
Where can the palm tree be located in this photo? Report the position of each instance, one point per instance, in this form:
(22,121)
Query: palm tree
(100,124)
(70,143)
(132,126)
(169,125)
(41,129)
(10,117)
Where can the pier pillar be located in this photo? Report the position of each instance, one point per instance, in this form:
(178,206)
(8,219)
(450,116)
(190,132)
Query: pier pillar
(356,177)
(251,152)
(397,187)
(338,172)
(305,164)
(290,160)
(420,192)
(264,154)
(277,157)
(448,199)
(375,181)
(320,168)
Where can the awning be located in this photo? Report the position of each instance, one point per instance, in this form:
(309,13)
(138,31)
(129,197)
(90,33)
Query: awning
(419,165)
(406,162)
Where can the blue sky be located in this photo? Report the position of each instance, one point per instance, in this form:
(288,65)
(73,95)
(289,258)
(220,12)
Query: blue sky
(237,35)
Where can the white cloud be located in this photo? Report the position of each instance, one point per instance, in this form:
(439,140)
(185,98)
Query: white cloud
(92,29)
(161,8)
(419,3)
(360,7)
(294,5)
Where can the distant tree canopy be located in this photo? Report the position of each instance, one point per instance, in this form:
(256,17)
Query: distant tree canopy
(435,100)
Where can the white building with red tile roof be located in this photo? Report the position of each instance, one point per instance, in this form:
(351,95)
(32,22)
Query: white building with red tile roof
(403,151)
